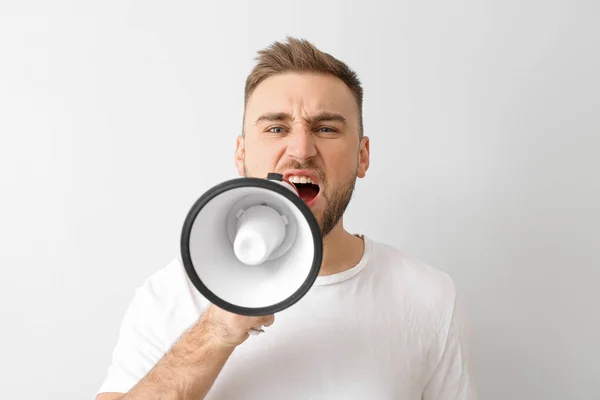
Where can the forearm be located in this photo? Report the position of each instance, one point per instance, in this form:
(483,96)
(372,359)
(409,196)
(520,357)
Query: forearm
(187,371)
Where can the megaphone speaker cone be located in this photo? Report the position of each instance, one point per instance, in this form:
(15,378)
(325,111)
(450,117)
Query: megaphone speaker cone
(260,230)
(252,246)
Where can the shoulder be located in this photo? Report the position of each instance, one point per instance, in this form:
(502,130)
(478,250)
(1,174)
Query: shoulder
(421,296)
(427,301)
(166,300)
(415,277)
(163,307)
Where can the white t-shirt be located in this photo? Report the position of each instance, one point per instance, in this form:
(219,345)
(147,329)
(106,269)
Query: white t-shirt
(388,328)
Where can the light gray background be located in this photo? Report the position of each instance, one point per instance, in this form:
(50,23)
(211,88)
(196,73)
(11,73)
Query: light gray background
(484,118)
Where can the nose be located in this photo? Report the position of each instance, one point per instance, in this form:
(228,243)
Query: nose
(301,144)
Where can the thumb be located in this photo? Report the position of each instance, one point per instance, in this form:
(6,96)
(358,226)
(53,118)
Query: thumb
(268,320)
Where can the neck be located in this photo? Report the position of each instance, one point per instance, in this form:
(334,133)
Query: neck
(341,251)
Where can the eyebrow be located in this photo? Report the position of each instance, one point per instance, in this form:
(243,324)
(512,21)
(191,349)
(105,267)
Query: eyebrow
(320,117)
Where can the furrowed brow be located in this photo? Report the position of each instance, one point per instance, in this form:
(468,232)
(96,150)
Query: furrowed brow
(320,117)
(329,117)
(273,117)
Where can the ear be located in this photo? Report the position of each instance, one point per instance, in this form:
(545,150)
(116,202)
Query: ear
(239,154)
(364,155)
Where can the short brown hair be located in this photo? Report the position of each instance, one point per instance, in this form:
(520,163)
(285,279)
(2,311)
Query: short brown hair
(299,55)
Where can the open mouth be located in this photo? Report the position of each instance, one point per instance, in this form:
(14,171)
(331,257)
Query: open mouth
(307,191)
(307,186)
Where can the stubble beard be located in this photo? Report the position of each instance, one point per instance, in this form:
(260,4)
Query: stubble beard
(336,206)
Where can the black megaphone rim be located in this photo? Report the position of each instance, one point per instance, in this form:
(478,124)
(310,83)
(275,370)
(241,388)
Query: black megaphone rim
(265,184)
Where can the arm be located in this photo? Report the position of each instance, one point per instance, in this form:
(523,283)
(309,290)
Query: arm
(188,370)
(190,367)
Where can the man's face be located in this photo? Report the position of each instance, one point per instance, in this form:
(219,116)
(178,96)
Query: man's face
(305,126)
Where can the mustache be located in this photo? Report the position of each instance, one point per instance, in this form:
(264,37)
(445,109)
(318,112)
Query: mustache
(306,165)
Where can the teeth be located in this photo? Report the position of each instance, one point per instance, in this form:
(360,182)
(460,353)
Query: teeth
(300,179)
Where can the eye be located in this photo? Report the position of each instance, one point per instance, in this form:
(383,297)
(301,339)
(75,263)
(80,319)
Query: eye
(325,129)
(276,129)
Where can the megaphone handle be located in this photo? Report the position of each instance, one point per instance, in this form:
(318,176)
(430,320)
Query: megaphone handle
(255,331)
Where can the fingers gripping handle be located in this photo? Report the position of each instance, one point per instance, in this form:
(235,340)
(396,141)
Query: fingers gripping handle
(255,331)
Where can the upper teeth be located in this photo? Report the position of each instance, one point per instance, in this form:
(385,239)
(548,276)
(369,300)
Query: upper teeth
(300,179)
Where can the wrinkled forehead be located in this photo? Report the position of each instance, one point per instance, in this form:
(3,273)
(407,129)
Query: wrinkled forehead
(302,96)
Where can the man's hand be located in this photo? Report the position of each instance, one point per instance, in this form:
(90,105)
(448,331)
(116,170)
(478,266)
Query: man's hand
(232,329)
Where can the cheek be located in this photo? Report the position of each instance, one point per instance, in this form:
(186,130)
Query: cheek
(261,159)
(340,164)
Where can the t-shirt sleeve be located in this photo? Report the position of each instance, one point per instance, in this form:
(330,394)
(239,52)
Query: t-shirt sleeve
(454,377)
(140,344)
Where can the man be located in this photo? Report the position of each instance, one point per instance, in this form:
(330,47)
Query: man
(375,325)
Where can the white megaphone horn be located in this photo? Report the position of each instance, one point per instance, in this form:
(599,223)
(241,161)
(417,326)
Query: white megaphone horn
(252,246)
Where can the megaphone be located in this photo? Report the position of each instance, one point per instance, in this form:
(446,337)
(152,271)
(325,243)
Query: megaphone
(251,245)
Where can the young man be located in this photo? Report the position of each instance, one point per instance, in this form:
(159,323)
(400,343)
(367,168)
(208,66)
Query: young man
(375,325)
